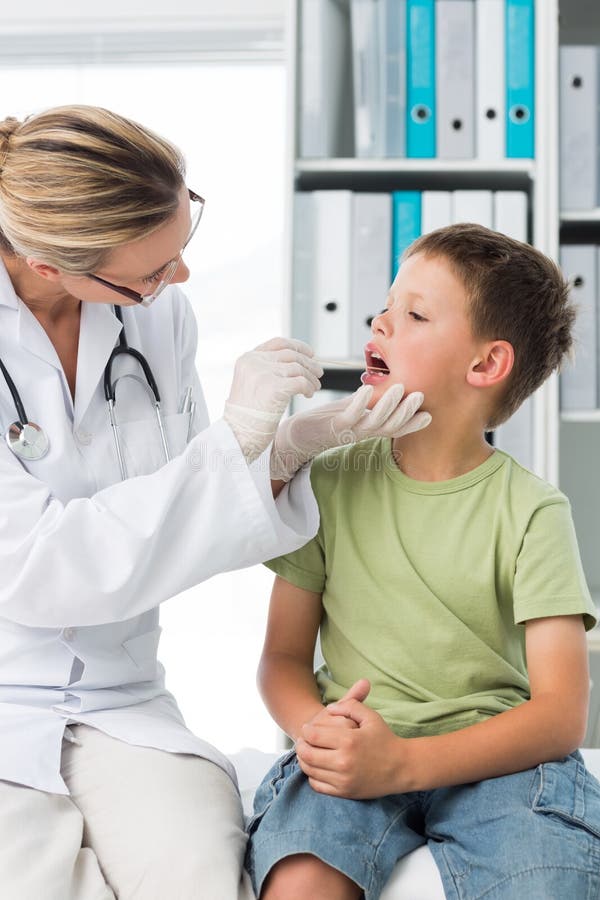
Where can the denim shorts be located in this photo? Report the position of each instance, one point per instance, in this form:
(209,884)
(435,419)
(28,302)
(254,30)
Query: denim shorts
(534,835)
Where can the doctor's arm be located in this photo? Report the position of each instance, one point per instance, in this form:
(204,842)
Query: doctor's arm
(132,545)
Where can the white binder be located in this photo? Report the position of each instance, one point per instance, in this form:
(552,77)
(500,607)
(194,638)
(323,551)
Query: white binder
(378,29)
(578,381)
(331,301)
(303,267)
(371,251)
(436,210)
(490,68)
(579,127)
(395,77)
(455,78)
(325,67)
(473,206)
(510,214)
(368,70)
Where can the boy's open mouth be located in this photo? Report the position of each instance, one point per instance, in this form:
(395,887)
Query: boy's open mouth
(375,363)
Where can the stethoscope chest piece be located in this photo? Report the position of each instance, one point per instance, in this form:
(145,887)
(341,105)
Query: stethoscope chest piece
(28,441)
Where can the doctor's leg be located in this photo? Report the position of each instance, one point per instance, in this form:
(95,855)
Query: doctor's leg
(40,848)
(162,824)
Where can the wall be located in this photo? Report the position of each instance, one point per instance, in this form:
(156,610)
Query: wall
(73,15)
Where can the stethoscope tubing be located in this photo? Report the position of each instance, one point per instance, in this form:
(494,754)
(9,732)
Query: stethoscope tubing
(26,430)
(15,395)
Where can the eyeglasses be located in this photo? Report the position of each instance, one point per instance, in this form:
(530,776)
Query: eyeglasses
(170,268)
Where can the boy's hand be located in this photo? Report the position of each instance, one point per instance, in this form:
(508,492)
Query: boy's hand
(360,763)
(358,691)
(302,436)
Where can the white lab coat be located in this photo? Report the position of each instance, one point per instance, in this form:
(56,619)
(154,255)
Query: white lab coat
(86,559)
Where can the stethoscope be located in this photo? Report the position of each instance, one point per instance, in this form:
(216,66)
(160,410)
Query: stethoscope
(28,441)
(123,349)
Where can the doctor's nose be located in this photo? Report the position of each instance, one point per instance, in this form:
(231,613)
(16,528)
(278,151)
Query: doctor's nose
(182,273)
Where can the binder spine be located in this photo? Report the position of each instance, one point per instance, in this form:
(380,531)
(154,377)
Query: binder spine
(394,41)
(406,224)
(420,27)
(371,238)
(490,78)
(367,75)
(520,79)
(331,309)
(579,127)
(455,78)
(303,273)
(578,382)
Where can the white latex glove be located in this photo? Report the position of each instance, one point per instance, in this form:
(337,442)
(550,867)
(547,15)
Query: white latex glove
(264,381)
(301,437)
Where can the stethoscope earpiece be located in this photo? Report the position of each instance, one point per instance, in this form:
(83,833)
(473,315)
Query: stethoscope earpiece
(27,441)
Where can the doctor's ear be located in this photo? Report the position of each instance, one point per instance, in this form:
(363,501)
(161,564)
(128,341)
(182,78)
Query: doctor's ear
(44,270)
(493,366)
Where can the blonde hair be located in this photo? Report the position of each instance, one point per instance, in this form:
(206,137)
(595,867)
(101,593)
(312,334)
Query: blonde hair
(78,181)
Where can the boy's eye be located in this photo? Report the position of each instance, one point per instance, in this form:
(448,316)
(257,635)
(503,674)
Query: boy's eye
(417,317)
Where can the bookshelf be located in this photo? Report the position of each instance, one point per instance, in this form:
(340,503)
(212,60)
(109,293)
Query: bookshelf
(538,178)
(578,433)
(566,446)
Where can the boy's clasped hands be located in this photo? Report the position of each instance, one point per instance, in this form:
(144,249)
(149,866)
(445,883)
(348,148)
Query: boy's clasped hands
(347,750)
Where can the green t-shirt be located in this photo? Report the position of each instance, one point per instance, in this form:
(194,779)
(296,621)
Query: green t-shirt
(425,584)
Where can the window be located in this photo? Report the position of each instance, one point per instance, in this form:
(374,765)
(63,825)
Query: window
(229,121)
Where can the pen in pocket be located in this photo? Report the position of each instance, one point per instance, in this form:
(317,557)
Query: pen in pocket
(186,403)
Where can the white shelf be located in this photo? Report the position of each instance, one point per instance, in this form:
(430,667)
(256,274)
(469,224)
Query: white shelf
(583,415)
(583,216)
(353,166)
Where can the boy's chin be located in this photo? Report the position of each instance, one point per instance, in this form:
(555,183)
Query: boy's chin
(380,386)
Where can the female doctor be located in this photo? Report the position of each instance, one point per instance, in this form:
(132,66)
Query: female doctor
(116,494)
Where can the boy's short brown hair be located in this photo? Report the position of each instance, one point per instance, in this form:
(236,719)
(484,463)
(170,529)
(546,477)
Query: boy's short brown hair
(516,294)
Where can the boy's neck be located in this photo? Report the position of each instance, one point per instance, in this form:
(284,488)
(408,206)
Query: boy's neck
(430,455)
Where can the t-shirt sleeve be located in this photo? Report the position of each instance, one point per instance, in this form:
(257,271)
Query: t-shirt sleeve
(304,568)
(549,578)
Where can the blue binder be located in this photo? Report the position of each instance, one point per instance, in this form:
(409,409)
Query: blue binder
(406,223)
(520,79)
(420,81)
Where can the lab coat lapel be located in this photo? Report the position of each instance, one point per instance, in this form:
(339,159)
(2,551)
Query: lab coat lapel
(34,339)
(98,335)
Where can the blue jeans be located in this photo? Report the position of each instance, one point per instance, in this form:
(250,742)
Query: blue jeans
(534,835)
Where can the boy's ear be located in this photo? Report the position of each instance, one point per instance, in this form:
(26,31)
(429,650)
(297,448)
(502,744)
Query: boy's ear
(493,366)
(50,273)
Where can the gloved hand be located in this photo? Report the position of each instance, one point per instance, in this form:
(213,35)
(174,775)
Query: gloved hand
(264,380)
(305,434)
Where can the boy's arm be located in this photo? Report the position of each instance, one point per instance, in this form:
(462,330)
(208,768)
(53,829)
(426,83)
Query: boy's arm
(285,674)
(371,761)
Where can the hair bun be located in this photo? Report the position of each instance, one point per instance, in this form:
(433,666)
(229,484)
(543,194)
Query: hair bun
(7,128)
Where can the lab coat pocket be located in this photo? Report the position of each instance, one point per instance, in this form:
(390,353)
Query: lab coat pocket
(142,649)
(141,442)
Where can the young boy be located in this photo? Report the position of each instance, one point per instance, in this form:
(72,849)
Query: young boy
(449,577)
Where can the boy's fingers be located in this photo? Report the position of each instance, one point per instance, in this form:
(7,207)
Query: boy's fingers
(352,709)
(317,738)
(359,691)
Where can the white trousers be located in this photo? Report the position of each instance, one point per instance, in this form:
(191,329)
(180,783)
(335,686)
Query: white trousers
(140,824)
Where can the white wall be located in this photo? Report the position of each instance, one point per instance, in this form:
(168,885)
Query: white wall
(73,15)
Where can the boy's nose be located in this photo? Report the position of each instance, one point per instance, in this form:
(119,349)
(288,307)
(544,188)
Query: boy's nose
(381,323)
